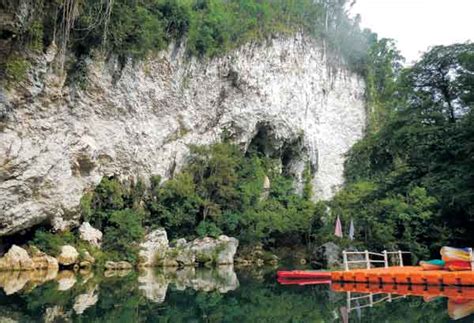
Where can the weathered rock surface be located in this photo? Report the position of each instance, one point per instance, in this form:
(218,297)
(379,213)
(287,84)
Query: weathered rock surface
(44,261)
(90,234)
(57,141)
(220,251)
(154,247)
(16,258)
(68,256)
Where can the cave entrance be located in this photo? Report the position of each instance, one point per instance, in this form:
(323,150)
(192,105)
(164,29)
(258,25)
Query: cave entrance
(291,154)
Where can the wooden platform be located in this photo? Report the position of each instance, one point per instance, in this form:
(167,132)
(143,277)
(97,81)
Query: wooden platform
(405,275)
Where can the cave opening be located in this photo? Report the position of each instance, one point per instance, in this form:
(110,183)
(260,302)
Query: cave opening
(291,154)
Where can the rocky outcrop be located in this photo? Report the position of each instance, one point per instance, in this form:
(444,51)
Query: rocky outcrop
(68,256)
(154,247)
(208,251)
(16,258)
(155,251)
(219,251)
(90,234)
(57,141)
(44,261)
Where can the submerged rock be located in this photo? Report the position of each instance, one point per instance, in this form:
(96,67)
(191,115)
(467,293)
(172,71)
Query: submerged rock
(68,256)
(90,234)
(118,265)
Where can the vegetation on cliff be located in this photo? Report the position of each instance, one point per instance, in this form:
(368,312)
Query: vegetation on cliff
(135,29)
(221,190)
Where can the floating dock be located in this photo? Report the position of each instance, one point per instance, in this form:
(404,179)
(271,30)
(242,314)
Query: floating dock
(410,275)
(455,292)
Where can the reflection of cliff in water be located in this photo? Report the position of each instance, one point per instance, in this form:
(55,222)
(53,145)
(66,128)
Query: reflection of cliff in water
(65,293)
(154,284)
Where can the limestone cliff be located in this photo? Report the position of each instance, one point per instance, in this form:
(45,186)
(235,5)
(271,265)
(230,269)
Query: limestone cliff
(57,141)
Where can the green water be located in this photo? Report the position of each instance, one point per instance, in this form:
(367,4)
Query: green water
(193,295)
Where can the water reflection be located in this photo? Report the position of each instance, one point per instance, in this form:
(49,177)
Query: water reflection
(460,299)
(154,284)
(201,295)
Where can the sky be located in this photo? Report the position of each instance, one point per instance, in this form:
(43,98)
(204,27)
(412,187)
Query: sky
(418,24)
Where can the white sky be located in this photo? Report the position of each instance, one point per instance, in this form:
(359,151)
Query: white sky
(418,24)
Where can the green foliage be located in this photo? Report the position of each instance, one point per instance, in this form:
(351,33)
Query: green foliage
(51,243)
(16,68)
(410,182)
(134,29)
(115,209)
(208,229)
(122,235)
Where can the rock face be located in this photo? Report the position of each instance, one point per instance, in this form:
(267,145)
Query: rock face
(154,246)
(68,256)
(90,234)
(220,251)
(205,250)
(155,251)
(57,141)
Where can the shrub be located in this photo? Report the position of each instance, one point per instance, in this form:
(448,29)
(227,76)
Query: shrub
(16,68)
(51,243)
(122,235)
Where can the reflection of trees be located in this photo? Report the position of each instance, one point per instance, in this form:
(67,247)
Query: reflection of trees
(194,295)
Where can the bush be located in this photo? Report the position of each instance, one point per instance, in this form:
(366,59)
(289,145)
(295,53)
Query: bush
(122,235)
(16,68)
(51,243)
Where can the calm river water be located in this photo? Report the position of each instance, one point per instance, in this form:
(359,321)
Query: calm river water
(203,295)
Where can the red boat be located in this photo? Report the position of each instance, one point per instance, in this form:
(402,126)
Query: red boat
(303,282)
(304,274)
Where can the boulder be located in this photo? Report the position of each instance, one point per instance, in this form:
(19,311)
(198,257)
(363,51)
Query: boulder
(44,261)
(327,255)
(16,258)
(227,247)
(184,254)
(118,265)
(219,251)
(68,256)
(90,234)
(153,248)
